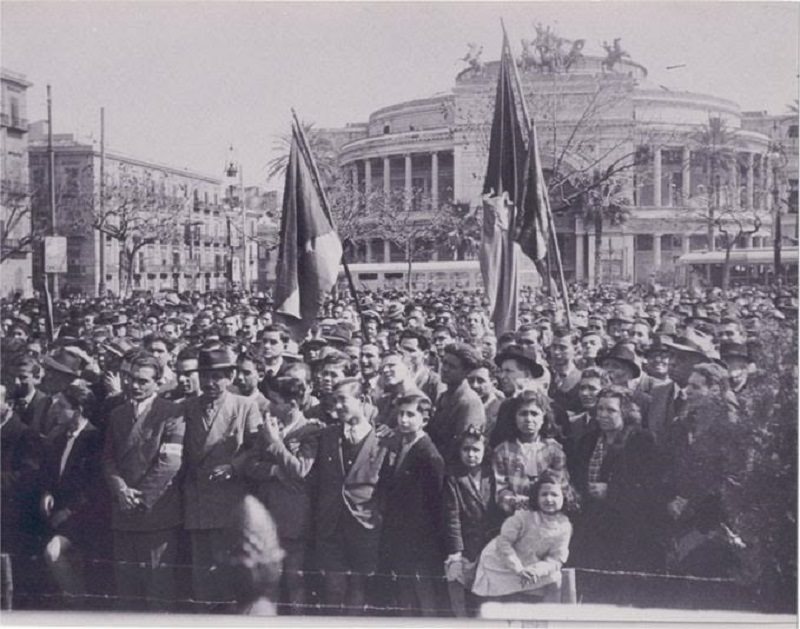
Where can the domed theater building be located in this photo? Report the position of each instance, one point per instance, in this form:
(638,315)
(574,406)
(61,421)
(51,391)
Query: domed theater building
(677,161)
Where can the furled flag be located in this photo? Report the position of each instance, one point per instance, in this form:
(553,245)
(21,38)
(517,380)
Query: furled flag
(502,189)
(533,220)
(310,249)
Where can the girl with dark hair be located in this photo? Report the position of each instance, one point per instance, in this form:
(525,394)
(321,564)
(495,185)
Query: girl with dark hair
(471,515)
(529,450)
(526,557)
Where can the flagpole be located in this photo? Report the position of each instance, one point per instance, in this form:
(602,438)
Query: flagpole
(529,128)
(325,208)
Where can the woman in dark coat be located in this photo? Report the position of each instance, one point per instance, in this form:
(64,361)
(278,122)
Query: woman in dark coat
(617,471)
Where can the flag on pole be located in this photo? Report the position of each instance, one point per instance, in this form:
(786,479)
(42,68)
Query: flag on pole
(533,221)
(310,250)
(501,192)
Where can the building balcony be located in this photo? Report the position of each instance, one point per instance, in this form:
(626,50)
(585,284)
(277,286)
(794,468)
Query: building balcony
(14,122)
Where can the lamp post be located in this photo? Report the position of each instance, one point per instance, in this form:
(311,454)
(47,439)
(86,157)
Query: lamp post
(778,159)
(232,171)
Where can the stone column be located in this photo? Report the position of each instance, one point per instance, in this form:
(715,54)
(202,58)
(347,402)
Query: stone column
(657,176)
(591,259)
(686,170)
(368,250)
(387,175)
(750,181)
(656,251)
(367,175)
(737,195)
(435,179)
(407,186)
(387,251)
(354,175)
(579,237)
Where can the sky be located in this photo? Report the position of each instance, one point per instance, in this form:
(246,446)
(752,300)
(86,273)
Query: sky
(181,82)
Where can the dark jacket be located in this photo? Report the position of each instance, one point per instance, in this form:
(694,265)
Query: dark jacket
(471,516)
(626,529)
(413,536)
(80,488)
(455,410)
(356,491)
(147,459)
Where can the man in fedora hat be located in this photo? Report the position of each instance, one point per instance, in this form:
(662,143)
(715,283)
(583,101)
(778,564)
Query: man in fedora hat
(519,370)
(220,426)
(61,368)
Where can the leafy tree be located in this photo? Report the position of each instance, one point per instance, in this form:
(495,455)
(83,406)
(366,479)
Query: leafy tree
(21,231)
(136,211)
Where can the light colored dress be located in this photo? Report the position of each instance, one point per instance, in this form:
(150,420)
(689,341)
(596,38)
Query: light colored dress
(525,539)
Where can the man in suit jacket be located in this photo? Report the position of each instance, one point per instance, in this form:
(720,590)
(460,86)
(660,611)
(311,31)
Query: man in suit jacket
(73,502)
(345,475)
(459,406)
(142,457)
(30,404)
(220,426)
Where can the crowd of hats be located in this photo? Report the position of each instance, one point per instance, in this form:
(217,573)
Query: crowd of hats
(198,315)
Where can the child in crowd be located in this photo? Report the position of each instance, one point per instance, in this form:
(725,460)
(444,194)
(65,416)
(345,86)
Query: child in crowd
(526,557)
(471,516)
(412,535)
(528,452)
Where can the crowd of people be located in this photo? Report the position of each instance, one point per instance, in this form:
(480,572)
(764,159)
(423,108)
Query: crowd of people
(407,457)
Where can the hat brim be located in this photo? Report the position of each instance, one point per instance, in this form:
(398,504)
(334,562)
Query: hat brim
(48,361)
(219,366)
(637,371)
(537,371)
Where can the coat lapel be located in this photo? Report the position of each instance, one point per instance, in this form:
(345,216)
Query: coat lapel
(218,423)
(364,453)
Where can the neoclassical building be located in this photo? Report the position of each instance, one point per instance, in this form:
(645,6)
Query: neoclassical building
(591,116)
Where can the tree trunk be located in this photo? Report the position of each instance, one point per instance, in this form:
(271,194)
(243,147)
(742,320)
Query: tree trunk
(598,243)
(409,260)
(726,267)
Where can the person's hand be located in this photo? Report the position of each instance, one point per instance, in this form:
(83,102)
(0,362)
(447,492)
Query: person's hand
(677,507)
(508,503)
(46,504)
(112,383)
(272,431)
(598,490)
(129,499)
(383,431)
(59,517)
(221,472)
(527,576)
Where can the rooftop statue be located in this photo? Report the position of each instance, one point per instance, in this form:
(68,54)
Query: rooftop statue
(546,53)
(473,58)
(614,54)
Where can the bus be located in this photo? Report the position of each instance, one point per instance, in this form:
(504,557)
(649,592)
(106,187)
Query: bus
(748,266)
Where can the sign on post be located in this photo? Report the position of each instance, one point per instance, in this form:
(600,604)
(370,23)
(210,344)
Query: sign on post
(55,254)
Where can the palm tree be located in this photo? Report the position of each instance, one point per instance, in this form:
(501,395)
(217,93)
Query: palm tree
(604,199)
(321,147)
(717,146)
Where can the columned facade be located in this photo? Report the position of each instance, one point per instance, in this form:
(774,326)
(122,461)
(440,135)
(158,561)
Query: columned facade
(438,147)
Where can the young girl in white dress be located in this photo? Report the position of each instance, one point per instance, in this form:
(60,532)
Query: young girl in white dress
(527,555)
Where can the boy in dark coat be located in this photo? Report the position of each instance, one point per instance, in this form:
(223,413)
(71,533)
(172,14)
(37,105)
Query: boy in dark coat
(413,538)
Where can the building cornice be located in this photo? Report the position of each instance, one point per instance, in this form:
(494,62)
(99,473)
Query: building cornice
(90,151)
(426,141)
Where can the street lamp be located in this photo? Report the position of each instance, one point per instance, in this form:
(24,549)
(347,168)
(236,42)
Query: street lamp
(231,171)
(778,160)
